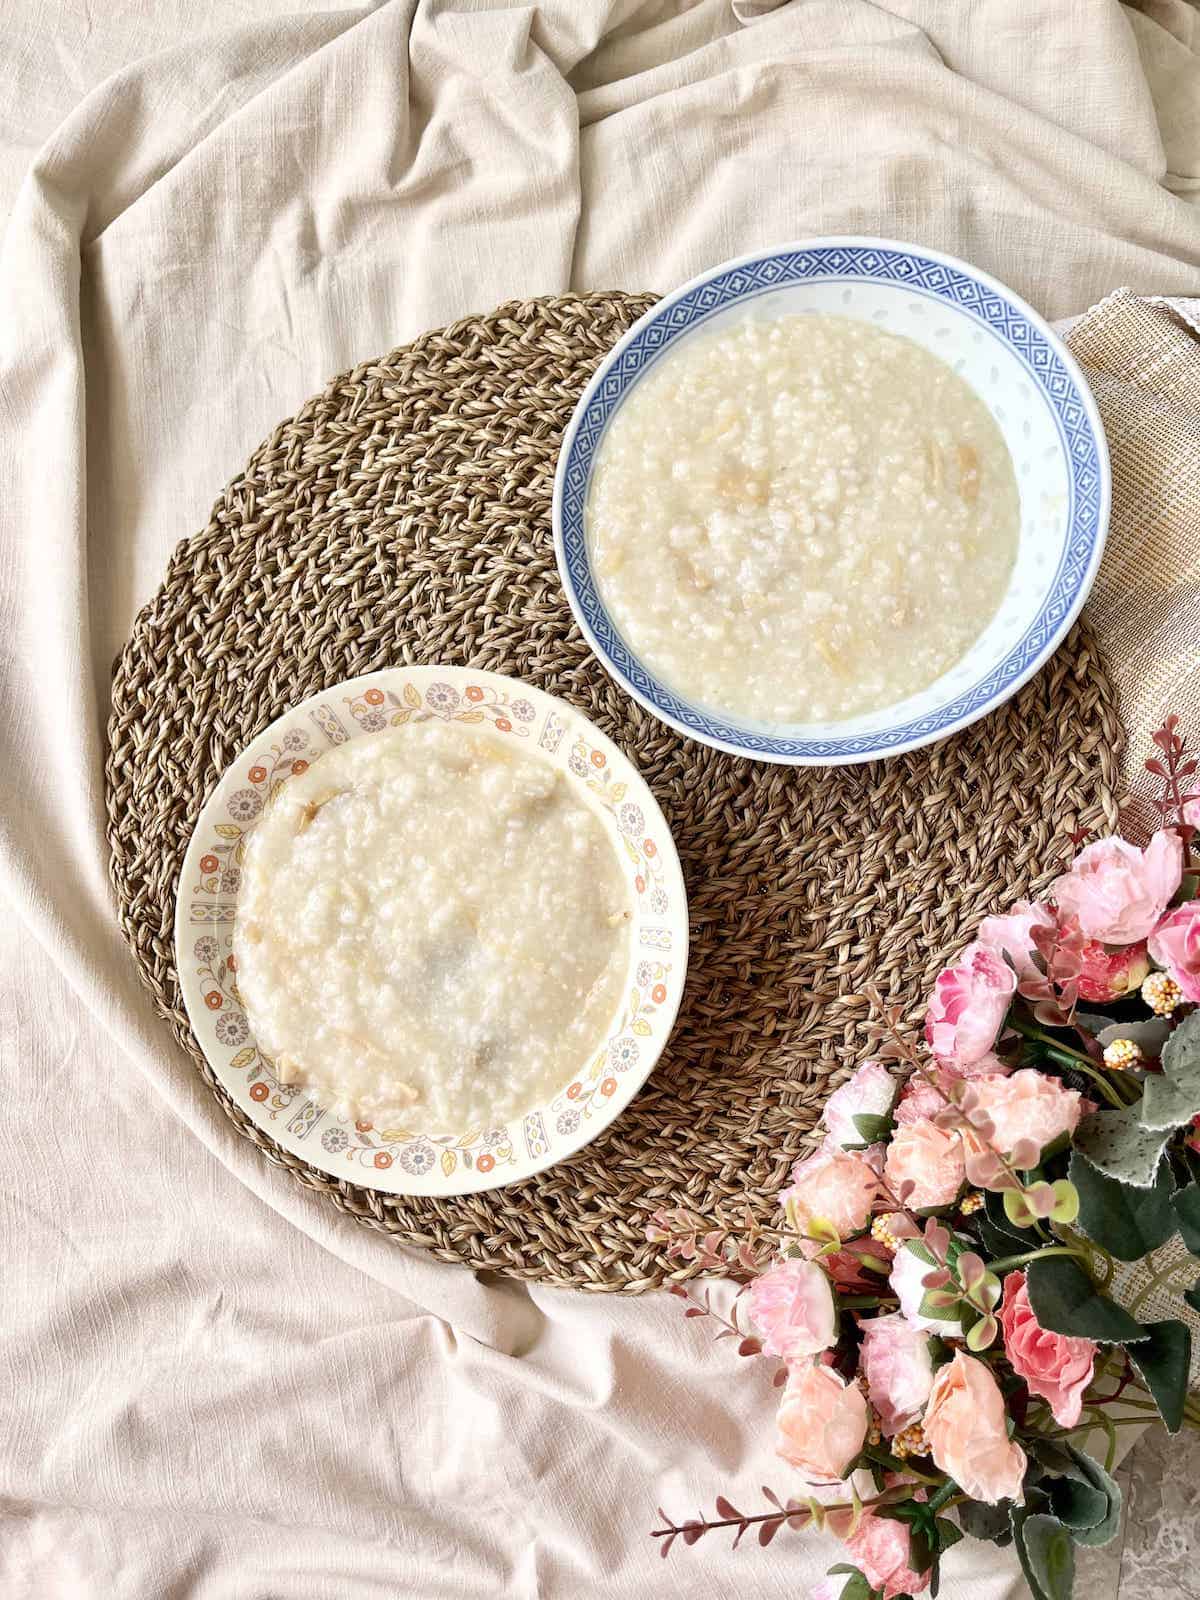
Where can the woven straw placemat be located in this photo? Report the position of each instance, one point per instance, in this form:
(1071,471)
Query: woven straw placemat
(403,516)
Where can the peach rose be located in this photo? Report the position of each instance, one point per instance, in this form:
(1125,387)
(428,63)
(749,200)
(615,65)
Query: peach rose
(929,1157)
(968,1006)
(822,1422)
(880,1549)
(1117,892)
(1053,1365)
(919,1101)
(965,1425)
(1175,945)
(835,1186)
(792,1307)
(871,1092)
(1024,1105)
(896,1359)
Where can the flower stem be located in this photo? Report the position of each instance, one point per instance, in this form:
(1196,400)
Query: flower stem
(1068,1056)
(1006,1262)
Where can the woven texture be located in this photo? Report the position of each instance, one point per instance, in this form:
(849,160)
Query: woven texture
(403,517)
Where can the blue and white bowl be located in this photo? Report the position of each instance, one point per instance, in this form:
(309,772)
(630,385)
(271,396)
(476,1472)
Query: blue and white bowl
(1013,361)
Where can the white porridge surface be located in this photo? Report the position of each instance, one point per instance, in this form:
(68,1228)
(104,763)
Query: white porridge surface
(801,518)
(432,929)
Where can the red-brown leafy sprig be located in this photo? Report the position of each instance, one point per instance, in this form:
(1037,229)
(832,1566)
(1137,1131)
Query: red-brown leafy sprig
(1176,769)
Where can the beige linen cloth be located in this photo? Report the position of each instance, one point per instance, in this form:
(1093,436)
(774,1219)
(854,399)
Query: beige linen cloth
(212,1385)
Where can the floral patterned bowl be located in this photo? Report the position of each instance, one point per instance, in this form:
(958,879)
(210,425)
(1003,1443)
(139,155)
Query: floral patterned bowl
(410,1160)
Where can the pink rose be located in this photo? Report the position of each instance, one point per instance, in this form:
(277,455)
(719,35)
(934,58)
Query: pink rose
(1175,945)
(822,1422)
(1023,1105)
(881,1551)
(1106,976)
(869,1093)
(1117,892)
(969,1004)
(834,1186)
(792,1307)
(929,1157)
(897,1362)
(910,1267)
(1054,1366)
(965,1425)
(1012,936)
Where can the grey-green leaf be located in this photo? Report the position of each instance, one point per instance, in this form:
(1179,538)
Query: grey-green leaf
(1128,1222)
(1149,1036)
(1047,1554)
(980,1521)
(1065,1300)
(1091,1489)
(1172,1097)
(1187,1212)
(1162,1358)
(1116,1143)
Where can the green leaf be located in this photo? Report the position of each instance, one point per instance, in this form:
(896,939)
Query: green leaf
(1162,1357)
(1116,1143)
(1046,1553)
(856,1587)
(993,1209)
(1173,1097)
(948,1534)
(1187,1212)
(872,1127)
(1066,1202)
(1128,1222)
(920,1549)
(1018,1210)
(1065,1300)
(995,1244)
(980,1521)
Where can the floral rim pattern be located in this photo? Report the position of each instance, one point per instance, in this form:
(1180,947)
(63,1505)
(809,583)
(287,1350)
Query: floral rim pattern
(410,1160)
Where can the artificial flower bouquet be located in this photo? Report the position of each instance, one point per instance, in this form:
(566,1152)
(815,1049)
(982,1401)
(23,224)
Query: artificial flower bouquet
(943,1292)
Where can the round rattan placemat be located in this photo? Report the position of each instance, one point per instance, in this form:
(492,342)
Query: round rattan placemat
(403,516)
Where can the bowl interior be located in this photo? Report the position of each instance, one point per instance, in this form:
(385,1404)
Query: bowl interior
(411,1159)
(1013,363)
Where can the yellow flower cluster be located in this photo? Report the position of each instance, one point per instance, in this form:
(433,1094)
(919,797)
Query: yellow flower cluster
(1122,1054)
(910,1442)
(1162,994)
(881,1230)
(971,1203)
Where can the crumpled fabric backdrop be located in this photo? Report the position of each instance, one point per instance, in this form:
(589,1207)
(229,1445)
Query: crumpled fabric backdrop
(212,1384)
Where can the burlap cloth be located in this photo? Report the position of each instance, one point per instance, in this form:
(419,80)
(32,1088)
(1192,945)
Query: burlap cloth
(1141,362)
(403,516)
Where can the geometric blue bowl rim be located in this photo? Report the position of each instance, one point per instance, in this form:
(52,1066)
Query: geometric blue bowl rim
(849,258)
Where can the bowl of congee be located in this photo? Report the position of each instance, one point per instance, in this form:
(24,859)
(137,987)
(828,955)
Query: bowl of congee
(831,502)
